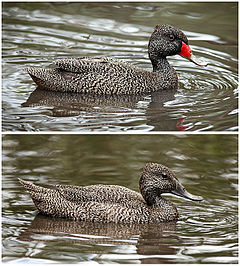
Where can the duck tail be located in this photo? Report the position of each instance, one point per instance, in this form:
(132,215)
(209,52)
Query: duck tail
(48,79)
(39,195)
(31,187)
(38,75)
(48,201)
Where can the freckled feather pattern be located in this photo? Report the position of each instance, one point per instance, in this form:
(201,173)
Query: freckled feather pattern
(111,203)
(105,76)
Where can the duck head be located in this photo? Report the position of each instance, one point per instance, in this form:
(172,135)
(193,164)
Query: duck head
(167,40)
(157,179)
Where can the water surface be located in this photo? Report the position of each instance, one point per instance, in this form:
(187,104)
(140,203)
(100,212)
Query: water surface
(34,34)
(207,232)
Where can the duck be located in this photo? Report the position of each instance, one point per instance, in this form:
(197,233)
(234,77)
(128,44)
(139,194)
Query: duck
(104,75)
(114,203)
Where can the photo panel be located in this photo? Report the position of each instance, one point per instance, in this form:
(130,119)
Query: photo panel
(120,198)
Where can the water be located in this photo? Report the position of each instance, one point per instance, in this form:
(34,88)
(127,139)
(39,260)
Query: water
(207,165)
(34,34)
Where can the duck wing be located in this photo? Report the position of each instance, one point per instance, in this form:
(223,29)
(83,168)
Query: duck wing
(100,65)
(109,194)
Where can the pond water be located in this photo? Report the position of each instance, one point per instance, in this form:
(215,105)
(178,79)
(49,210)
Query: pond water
(207,165)
(34,34)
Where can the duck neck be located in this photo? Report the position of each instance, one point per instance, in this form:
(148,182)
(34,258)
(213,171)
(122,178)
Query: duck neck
(150,196)
(161,65)
(161,202)
(154,199)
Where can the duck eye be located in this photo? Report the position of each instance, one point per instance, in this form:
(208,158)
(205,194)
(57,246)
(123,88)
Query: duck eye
(171,37)
(164,175)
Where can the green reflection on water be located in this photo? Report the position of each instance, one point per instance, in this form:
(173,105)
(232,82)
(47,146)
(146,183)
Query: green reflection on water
(77,157)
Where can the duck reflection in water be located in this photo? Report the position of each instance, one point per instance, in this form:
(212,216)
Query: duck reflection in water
(145,238)
(70,104)
(66,104)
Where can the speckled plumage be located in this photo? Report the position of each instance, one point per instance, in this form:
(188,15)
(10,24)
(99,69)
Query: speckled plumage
(108,76)
(111,203)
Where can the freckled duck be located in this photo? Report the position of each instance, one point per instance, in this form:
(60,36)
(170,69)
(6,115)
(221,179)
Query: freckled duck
(109,76)
(112,203)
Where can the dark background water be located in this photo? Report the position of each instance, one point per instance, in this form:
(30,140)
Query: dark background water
(34,34)
(207,165)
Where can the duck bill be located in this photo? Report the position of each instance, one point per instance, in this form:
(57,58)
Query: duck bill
(196,60)
(182,192)
(186,52)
